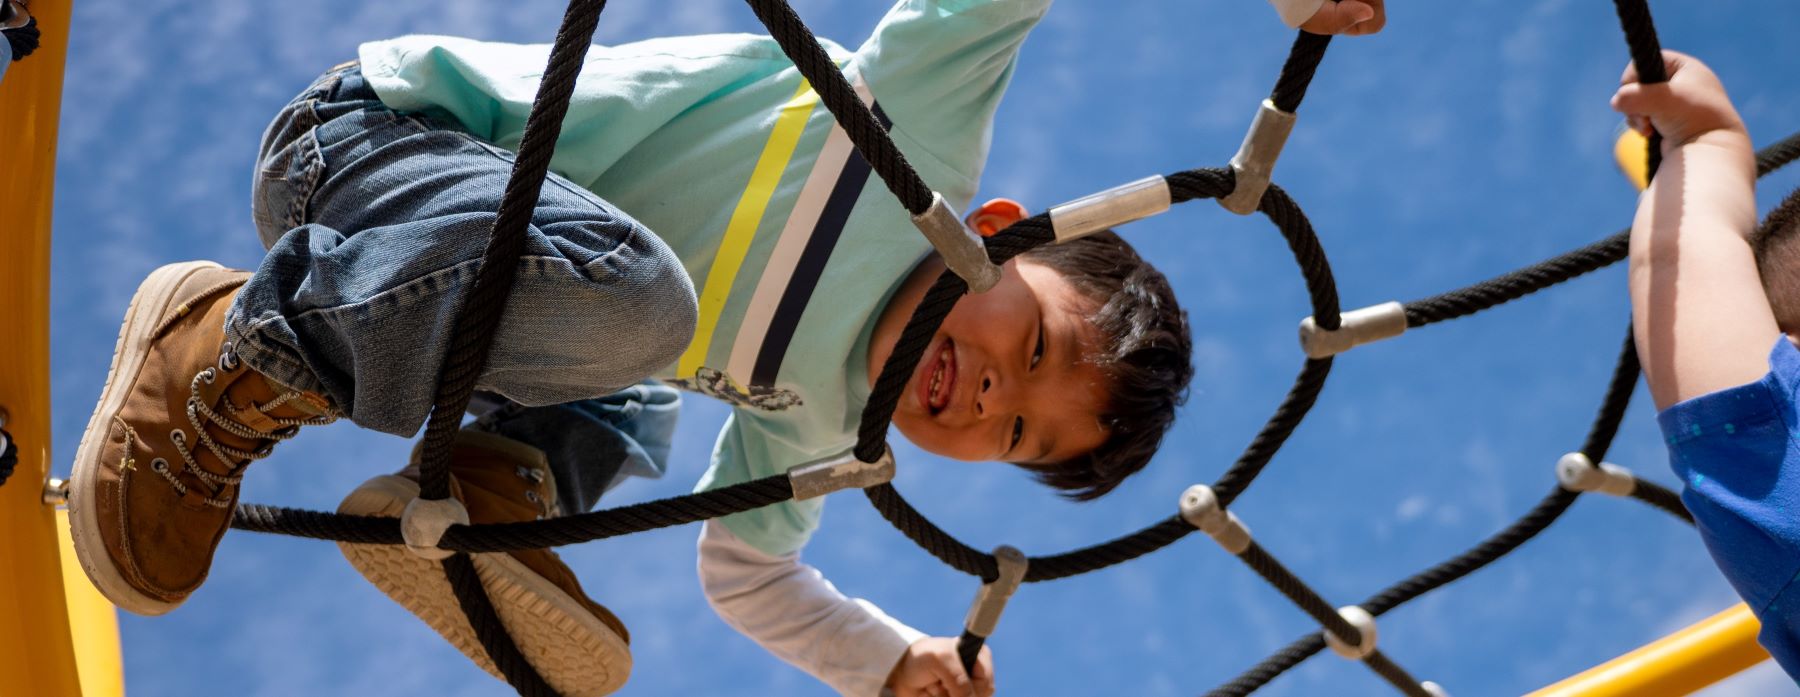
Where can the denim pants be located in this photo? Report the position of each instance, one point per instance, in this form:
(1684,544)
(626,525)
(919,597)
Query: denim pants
(375,222)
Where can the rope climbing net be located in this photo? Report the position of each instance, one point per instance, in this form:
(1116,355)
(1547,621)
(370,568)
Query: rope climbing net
(1242,187)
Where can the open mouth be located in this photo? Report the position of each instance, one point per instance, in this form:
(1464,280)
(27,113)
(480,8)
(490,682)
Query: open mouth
(937,377)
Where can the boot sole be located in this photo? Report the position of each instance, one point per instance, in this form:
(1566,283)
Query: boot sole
(148,306)
(574,651)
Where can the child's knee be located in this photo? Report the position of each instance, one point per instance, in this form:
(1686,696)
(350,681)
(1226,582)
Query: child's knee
(627,310)
(660,305)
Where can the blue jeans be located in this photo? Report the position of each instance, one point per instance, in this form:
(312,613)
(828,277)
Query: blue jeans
(375,222)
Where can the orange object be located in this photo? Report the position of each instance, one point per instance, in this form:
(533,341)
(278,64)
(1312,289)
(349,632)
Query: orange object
(1682,663)
(994,216)
(58,637)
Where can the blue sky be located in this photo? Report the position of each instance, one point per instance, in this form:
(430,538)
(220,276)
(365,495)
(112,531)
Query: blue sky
(1467,140)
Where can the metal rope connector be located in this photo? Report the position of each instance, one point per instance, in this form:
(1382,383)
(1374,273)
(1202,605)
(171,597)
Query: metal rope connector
(1357,327)
(1365,628)
(424,521)
(1255,159)
(961,249)
(1200,508)
(1434,689)
(990,601)
(1110,208)
(56,492)
(1575,472)
(816,479)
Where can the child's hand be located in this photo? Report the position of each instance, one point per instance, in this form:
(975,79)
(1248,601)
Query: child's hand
(1691,104)
(1348,17)
(931,668)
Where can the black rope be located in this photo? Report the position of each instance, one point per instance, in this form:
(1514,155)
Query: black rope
(1612,406)
(866,133)
(968,648)
(23,40)
(472,597)
(1661,497)
(1272,667)
(1394,674)
(1517,284)
(479,317)
(1499,545)
(1297,73)
(1107,554)
(1646,54)
(930,537)
(537,534)
(1302,595)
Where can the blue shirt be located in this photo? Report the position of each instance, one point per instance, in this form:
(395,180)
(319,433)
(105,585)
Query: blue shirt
(1736,451)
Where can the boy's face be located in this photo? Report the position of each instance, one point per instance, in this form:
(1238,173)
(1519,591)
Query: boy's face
(1006,377)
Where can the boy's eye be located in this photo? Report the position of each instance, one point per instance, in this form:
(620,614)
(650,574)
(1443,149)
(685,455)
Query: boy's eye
(1037,354)
(1018,432)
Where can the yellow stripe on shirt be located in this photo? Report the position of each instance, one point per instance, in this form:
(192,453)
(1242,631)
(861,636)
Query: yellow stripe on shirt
(744,220)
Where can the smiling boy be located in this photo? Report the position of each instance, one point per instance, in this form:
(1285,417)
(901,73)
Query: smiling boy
(760,265)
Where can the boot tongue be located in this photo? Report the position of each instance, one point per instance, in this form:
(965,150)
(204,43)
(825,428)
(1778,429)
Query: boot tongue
(303,405)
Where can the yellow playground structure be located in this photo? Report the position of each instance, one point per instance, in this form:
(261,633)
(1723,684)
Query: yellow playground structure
(58,637)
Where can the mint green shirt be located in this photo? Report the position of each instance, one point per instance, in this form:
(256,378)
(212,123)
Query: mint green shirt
(794,247)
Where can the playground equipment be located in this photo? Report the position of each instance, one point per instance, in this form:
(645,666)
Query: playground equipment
(68,644)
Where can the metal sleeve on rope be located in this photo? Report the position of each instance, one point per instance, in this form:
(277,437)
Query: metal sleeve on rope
(1200,508)
(990,601)
(817,479)
(1361,326)
(56,492)
(1576,472)
(1110,208)
(960,247)
(423,524)
(1254,162)
(1434,689)
(1365,629)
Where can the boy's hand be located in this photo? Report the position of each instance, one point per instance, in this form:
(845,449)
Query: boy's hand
(1348,17)
(931,668)
(1691,104)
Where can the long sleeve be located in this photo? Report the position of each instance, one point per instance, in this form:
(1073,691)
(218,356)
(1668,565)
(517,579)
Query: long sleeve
(939,69)
(1295,12)
(795,613)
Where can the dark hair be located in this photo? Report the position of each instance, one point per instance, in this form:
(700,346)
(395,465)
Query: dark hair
(1145,356)
(1778,260)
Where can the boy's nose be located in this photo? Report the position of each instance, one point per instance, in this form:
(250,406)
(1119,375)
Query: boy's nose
(989,395)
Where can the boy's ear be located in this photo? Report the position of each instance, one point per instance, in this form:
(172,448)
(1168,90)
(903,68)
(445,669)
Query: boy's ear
(994,216)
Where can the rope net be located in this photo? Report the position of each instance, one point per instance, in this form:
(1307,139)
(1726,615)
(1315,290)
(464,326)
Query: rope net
(1343,628)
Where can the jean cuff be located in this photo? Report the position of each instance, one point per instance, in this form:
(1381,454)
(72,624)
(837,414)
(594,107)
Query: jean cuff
(273,360)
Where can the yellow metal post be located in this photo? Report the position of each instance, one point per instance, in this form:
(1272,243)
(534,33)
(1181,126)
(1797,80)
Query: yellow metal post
(1682,663)
(57,635)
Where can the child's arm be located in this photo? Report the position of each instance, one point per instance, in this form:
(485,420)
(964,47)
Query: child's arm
(1703,321)
(793,612)
(1348,17)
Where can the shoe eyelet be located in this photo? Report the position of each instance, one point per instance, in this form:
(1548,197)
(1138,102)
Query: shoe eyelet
(228,359)
(531,496)
(179,436)
(208,375)
(160,465)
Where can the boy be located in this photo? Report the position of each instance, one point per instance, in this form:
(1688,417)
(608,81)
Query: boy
(374,192)
(1705,328)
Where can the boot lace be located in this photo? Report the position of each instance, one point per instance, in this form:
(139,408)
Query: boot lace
(199,413)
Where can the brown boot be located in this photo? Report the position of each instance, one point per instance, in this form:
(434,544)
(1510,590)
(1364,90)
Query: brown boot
(156,476)
(577,645)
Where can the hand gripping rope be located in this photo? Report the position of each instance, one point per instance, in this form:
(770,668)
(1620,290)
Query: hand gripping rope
(1245,186)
